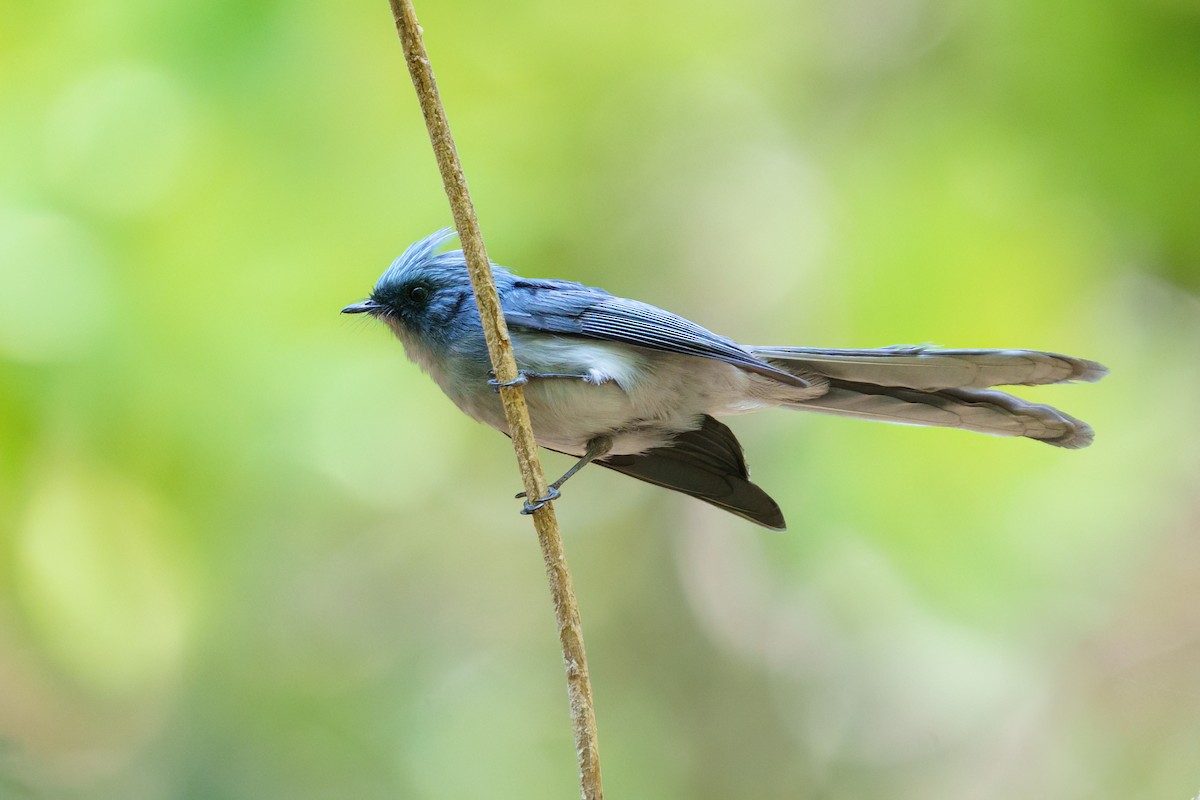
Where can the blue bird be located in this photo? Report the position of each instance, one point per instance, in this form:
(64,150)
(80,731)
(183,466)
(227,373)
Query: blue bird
(636,389)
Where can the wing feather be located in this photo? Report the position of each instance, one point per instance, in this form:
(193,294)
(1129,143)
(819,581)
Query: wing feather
(707,464)
(572,309)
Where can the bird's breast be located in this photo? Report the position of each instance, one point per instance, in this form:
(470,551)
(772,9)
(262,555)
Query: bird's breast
(641,398)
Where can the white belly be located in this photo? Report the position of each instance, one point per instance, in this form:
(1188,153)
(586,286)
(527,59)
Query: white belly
(640,398)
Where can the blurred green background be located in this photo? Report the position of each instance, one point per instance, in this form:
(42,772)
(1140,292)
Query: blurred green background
(248,551)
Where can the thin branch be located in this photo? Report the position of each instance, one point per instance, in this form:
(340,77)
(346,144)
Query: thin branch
(566,610)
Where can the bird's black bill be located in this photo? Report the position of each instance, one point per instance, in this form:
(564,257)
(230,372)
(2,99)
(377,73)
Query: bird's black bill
(365,307)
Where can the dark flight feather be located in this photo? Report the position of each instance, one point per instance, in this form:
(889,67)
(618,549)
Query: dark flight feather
(706,464)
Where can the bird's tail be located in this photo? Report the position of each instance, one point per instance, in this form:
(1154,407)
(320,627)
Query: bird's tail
(943,388)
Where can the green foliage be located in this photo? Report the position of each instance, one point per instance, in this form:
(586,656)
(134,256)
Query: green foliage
(247,550)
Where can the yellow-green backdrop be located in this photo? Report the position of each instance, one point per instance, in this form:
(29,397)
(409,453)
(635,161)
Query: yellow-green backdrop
(248,551)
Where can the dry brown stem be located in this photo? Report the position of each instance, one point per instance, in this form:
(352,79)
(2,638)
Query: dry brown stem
(566,609)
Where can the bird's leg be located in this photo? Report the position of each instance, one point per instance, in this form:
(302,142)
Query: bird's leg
(596,448)
(523,377)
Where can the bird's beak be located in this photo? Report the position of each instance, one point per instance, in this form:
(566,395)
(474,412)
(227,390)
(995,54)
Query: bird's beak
(365,307)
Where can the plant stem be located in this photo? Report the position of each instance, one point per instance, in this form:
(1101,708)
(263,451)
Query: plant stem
(566,609)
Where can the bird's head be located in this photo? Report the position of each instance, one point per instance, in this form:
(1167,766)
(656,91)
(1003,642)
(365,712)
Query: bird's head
(422,291)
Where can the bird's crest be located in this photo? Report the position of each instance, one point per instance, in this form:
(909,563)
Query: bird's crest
(419,256)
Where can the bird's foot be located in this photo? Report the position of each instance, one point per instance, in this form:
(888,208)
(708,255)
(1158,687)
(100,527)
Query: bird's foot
(524,375)
(552,493)
(521,379)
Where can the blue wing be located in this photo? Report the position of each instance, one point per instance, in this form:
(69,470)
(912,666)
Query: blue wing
(572,309)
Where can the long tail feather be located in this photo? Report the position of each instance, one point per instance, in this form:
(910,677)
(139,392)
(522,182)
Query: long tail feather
(981,410)
(931,369)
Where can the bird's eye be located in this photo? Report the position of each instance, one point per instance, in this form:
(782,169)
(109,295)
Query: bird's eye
(418,294)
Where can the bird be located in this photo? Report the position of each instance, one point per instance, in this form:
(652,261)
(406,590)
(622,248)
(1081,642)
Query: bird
(637,389)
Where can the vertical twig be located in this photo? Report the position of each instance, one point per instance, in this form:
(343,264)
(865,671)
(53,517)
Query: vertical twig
(566,610)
